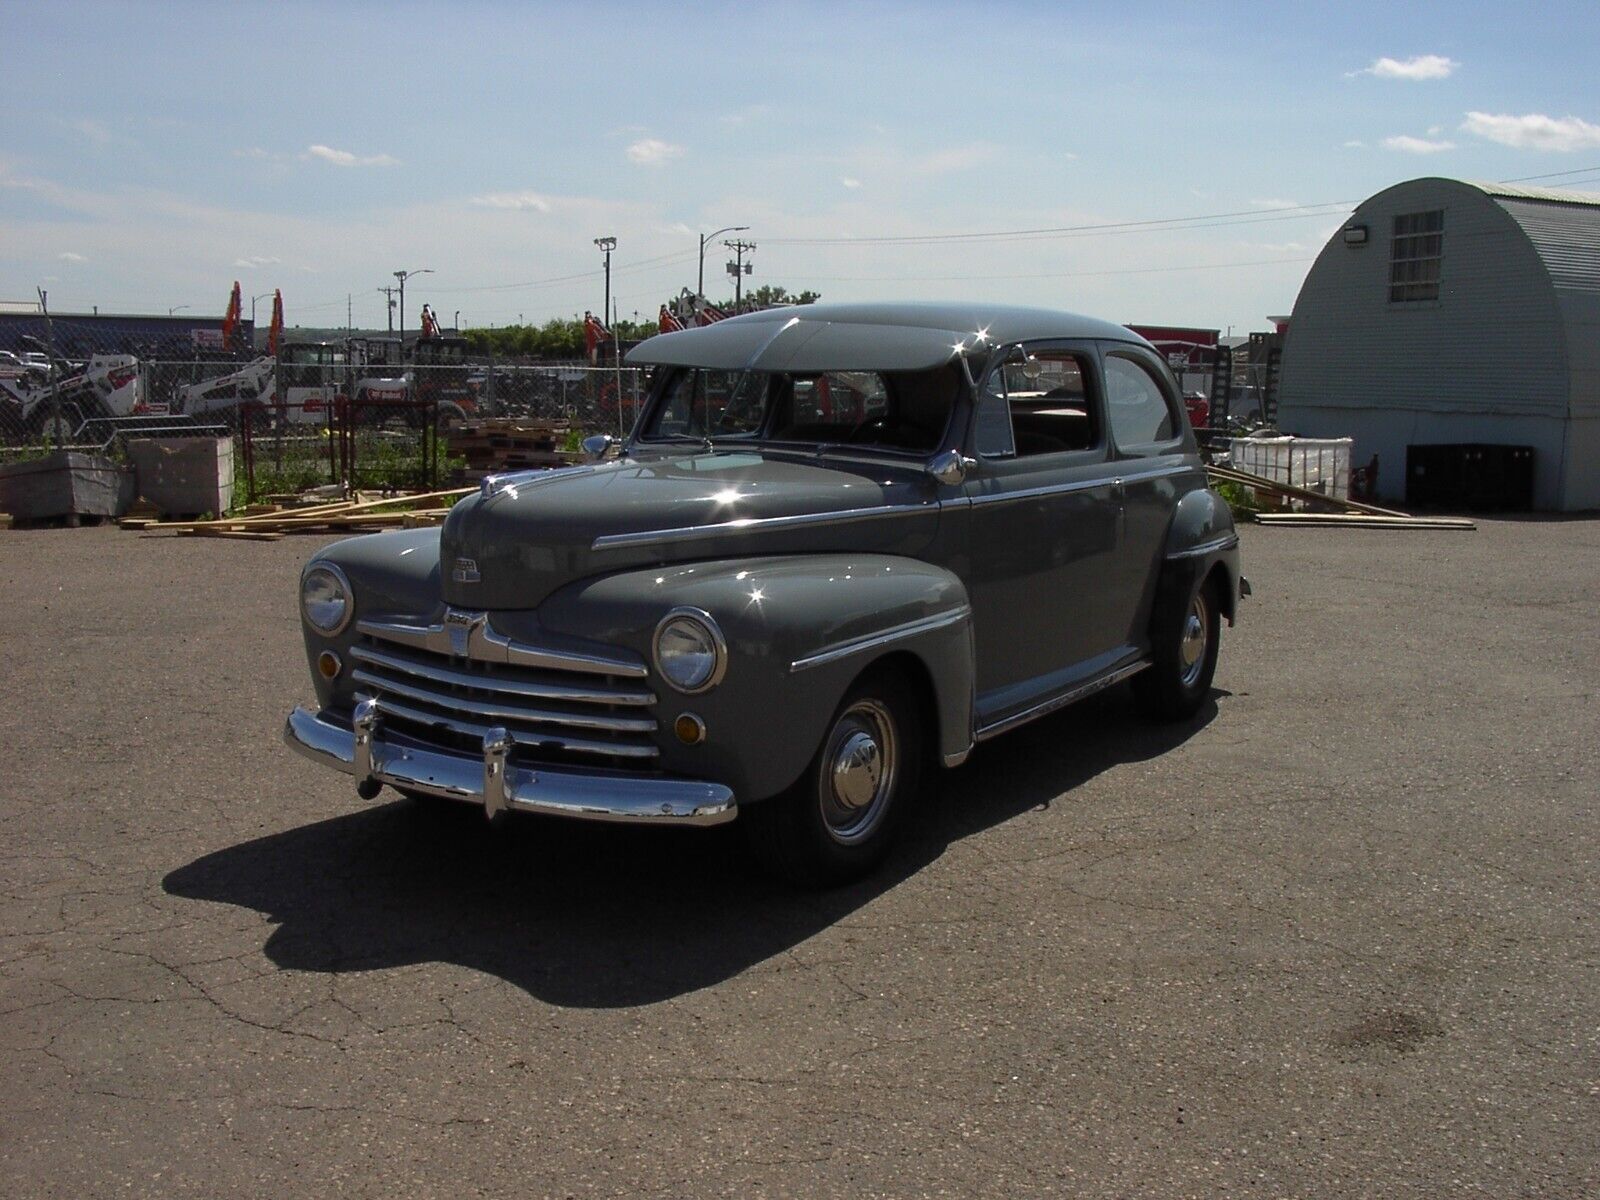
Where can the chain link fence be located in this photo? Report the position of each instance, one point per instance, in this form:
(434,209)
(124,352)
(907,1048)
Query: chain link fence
(352,415)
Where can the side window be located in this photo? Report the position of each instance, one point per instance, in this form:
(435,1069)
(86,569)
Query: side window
(1140,414)
(1039,405)
(992,429)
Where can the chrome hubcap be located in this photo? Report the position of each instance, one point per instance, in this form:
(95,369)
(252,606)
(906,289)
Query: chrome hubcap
(1192,645)
(858,771)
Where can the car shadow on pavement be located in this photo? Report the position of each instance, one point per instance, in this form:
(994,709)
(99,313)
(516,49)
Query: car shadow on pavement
(598,916)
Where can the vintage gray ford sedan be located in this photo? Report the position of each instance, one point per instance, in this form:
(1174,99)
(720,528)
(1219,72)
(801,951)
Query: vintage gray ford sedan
(842,544)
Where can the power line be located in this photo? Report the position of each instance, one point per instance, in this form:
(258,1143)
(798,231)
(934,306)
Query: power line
(1260,262)
(674,257)
(1248,215)
(1551,175)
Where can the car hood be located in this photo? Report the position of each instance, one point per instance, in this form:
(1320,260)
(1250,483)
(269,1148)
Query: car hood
(538,532)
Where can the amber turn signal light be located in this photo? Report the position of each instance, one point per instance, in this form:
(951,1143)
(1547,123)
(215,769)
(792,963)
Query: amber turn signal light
(328,665)
(691,730)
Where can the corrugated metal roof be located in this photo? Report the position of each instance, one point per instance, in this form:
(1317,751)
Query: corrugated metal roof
(1563,226)
(1549,195)
(1566,237)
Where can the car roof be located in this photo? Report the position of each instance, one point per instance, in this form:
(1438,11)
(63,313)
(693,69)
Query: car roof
(865,337)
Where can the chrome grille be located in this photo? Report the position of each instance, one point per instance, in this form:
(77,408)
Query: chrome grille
(448,685)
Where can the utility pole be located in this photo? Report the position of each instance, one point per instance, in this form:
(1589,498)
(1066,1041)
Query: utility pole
(739,268)
(607,245)
(349,313)
(388,293)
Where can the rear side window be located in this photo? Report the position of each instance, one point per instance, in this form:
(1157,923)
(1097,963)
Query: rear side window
(1139,412)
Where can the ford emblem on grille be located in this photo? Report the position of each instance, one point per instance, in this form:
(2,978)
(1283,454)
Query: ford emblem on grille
(466,571)
(460,624)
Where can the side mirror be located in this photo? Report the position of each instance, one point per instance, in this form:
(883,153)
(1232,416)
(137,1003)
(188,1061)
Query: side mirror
(950,467)
(597,445)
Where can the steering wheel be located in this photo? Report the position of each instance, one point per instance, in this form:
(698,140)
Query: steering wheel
(866,423)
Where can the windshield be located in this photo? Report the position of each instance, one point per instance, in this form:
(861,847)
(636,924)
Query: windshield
(894,410)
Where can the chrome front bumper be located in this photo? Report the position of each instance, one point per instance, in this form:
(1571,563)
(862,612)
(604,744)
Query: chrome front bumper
(499,784)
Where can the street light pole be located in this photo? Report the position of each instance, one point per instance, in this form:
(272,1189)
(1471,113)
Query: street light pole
(607,245)
(711,237)
(170,311)
(402,276)
(253,300)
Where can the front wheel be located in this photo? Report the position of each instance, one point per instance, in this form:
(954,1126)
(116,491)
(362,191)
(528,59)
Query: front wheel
(838,820)
(1186,633)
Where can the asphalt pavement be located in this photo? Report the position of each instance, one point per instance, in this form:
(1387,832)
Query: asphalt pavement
(1336,937)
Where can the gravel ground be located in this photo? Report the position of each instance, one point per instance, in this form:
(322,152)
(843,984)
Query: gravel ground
(1335,938)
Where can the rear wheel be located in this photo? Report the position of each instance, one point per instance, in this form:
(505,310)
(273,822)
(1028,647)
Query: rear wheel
(1185,637)
(839,818)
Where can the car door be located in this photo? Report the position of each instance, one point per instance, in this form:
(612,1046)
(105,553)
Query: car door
(1042,525)
(1155,462)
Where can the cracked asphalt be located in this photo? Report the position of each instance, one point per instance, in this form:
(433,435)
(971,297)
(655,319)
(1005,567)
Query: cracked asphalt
(1337,937)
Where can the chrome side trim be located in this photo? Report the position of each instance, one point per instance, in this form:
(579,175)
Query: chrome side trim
(651,800)
(1083,485)
(467,634)
(505,711)
(524,689)
(874,640)
(1071,695)
(1033,493)
(577,745)
(1227,541)
(689,533)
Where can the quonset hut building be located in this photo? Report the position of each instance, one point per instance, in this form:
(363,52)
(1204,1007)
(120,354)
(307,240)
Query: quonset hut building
(1449,315)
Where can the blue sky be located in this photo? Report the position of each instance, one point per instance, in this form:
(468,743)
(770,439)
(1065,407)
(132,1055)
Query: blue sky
(151,154)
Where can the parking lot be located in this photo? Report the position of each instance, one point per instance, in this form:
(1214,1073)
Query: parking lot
(1336,938)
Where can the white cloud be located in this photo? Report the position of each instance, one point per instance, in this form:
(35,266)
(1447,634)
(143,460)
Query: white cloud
(1407,144)
(745,116)
(343,158)
(1355,144)
(1069,156)
(259,260)
(93,130)
(956,158)
(515,201)
(1422,66)
(653,151)
(69,256)
(1533,131)
(850,183)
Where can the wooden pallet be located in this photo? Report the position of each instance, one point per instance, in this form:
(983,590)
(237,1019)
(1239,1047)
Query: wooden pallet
(349,516)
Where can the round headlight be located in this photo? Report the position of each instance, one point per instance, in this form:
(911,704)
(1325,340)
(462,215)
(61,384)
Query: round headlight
(325,598)
(690,652)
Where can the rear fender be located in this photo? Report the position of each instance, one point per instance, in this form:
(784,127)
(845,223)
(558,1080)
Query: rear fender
(1201,538)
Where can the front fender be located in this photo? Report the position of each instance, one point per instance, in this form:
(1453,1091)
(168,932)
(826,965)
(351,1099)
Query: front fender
(393,575)
(799,630)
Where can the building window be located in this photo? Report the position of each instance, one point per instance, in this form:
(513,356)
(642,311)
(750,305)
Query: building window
(1414,256)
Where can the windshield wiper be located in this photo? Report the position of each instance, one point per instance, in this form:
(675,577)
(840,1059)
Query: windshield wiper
(699,439)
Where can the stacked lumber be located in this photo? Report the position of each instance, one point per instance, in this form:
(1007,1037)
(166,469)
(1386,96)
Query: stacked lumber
(507,444)
(1349,514)
(402,511)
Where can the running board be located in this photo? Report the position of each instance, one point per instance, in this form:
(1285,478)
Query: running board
(1070,696)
